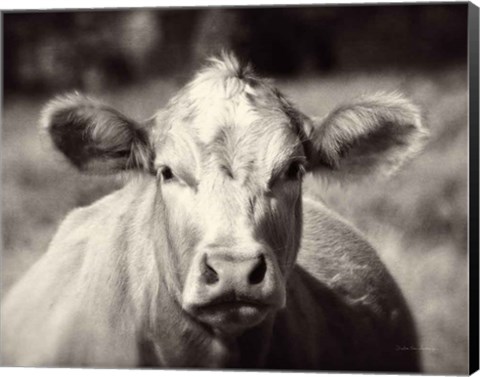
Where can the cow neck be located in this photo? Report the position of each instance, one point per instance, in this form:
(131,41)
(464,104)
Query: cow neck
(254,345)
(178,341)
(181,341)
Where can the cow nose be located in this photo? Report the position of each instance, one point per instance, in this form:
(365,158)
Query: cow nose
(219,277)
(220,269)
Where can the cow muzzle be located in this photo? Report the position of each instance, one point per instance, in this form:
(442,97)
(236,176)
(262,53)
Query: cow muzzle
(232,291)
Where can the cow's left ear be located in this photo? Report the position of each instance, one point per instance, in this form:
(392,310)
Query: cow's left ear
(96,138)
(374,134)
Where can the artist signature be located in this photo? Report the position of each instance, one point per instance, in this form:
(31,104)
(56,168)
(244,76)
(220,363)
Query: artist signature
(415,348)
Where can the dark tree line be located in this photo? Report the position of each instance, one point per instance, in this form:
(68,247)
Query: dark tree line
(51,51)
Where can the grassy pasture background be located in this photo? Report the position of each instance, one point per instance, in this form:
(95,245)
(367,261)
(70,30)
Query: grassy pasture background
(417,219)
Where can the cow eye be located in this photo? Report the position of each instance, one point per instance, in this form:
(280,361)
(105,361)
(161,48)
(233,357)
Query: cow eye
(294,171)
(167,174)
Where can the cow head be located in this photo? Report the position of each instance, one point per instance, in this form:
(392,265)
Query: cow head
(227,156)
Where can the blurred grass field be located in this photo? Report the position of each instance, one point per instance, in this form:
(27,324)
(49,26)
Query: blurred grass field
(417,220)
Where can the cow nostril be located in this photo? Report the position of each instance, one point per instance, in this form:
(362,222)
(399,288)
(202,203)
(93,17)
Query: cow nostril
(209,274)
(258,273)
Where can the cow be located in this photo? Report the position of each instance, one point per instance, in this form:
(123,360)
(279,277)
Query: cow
(210,256)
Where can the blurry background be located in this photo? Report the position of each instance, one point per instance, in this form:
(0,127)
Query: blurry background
(319,56)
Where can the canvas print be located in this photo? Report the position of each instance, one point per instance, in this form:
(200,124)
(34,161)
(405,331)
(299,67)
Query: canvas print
(268,188)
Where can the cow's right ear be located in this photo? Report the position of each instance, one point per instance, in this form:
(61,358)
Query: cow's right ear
(374,134)
(96,138)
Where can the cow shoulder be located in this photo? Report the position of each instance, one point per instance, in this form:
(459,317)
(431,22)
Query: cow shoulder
(337,254)
(339,270)
(66,300)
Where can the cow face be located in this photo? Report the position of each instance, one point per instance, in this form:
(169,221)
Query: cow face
(230,160)
(227,157)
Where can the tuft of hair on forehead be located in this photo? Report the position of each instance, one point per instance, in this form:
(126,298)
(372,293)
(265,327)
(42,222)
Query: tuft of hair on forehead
(227,65)
(223,75)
